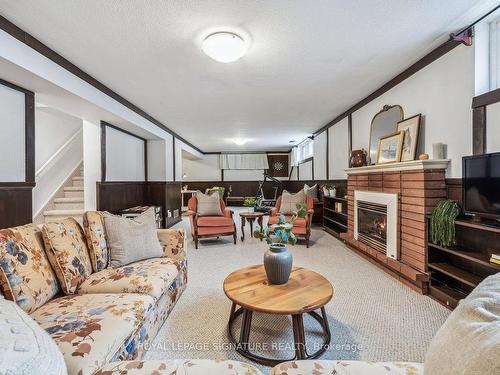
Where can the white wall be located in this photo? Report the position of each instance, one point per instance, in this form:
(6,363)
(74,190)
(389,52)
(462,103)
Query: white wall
(493,128)
(320,142)
(92,164)
(206,168)
(52,130)
(443,93)
(157,160)
(338,150)
(124,156)
(306,171)
(12,133)
(243,174)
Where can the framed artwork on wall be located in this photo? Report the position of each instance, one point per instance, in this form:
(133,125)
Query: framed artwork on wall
(389,148)
(410,127)
(278,165)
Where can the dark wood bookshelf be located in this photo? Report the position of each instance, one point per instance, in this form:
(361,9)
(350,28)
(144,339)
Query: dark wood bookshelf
(334,221)
(458,269)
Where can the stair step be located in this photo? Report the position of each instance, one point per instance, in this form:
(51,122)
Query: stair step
(77,181)
(71,203)
(56,215)
(73,192)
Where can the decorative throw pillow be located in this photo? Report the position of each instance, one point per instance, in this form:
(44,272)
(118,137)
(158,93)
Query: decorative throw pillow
(208,205)
(132,239)
(469,340)
(26,347)
(311,191)
(25,273)
(93,225)
(67,252)
(289,202)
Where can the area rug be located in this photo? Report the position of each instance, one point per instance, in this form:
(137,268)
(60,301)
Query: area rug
(372,316)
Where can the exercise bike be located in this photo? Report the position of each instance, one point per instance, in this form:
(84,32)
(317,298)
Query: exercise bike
(263,204)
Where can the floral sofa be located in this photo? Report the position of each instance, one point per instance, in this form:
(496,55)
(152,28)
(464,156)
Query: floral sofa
(59,275)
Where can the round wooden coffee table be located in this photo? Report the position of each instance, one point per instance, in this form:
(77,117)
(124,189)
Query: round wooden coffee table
(304,292)
(250,217)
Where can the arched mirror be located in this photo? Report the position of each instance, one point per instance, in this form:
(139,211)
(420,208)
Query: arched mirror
(383,123)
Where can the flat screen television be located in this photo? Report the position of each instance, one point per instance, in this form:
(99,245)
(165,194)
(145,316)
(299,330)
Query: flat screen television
(481,182)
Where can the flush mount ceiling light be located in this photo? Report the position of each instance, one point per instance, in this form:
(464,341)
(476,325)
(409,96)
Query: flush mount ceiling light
(224,46)
(240,141)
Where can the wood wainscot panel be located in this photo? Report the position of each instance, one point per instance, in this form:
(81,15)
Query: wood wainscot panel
(16,204)
(117,196)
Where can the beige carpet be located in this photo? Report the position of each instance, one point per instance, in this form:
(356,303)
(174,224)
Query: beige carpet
(372,316)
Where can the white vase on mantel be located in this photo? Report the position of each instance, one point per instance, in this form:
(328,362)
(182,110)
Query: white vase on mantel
(326,193)
(333,192)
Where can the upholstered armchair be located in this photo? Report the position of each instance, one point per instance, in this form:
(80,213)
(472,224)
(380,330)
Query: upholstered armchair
(301,226)
(210,226)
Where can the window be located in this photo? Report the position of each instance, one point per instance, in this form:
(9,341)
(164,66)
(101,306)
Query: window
(494,53)
(305,150)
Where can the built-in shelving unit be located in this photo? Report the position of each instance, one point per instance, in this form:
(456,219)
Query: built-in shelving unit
(335,215)
(456,270)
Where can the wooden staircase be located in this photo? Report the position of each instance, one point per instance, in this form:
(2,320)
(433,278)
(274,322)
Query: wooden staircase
(71,204)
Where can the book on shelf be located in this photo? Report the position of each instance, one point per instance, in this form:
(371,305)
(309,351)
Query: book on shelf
(495,259)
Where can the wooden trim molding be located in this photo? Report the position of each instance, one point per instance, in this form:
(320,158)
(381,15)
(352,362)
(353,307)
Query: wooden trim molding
(485,99)
(103,152)
(41,48)
(349,139)
(479,130)
(29,124)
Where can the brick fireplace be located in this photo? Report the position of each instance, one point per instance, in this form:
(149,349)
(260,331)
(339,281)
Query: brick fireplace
(414,187)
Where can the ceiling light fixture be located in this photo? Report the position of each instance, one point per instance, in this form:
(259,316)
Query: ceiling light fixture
(240,141)
(224,46)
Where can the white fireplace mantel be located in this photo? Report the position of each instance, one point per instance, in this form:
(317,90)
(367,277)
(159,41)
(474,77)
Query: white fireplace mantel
(414,165)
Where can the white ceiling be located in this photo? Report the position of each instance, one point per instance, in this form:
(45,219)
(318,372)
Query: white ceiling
(308,61)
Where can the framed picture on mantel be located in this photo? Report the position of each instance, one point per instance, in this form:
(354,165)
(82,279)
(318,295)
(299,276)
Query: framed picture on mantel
(389,148)
(410,127)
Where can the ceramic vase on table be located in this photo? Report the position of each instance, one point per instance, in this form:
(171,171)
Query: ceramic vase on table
(278,264)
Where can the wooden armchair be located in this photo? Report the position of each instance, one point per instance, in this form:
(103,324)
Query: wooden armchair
(301,226)
(210,226)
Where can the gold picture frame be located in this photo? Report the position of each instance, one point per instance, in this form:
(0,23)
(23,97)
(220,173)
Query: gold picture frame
(390,147)
(411,128)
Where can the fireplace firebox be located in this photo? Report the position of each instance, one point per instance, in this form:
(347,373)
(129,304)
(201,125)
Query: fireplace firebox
(372,225)
(376,221)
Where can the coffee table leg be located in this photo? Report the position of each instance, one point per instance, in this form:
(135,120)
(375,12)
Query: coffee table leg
(242,228)
(231,314)
(299,337)
(251,226)
(245,328)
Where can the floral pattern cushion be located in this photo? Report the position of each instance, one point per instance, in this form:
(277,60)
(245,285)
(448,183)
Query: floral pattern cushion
(25,273)
(173,242)
(179,367)
(67,252)
(93,225)
(326,367)
(89,329)
(150,276)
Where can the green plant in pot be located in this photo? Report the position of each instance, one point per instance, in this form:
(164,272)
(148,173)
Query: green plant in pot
(249,203)
(278,259)
(443,222)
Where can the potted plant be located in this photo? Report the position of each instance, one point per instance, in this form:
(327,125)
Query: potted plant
(333,191)
(443,222)
(278,259)
(249,203)
(326,192)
